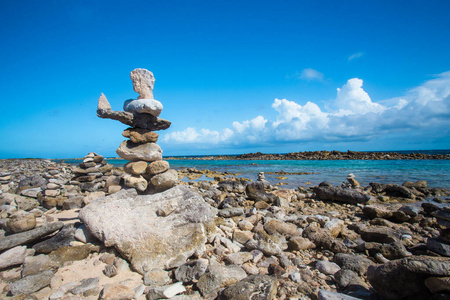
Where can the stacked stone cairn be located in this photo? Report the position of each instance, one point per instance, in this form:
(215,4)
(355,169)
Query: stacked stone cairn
(146,171)
(91,175)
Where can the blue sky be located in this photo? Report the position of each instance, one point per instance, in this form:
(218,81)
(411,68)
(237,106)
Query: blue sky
(233,76)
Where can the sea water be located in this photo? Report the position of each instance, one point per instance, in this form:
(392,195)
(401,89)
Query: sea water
(435,172)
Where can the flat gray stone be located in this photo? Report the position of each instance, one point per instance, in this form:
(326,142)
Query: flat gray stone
(29,236)
(137,152)
(144,106)
(31,284)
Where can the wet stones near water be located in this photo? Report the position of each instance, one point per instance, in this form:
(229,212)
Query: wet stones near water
(146,171)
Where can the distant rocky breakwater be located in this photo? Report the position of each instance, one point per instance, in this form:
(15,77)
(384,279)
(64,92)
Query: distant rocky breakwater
(322,155)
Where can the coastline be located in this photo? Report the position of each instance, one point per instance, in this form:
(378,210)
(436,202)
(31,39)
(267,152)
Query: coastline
(319,155)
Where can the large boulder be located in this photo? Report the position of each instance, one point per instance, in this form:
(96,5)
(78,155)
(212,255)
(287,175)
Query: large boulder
(405,278)
(341,195)
(134,225)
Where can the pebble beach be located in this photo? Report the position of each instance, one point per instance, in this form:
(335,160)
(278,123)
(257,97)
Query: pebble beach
(315,242)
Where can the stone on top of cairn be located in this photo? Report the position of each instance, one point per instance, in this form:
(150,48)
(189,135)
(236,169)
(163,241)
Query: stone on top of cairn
(146,171)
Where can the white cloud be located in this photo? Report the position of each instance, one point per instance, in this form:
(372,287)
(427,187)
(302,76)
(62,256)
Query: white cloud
(352,116)
(355,56)
(311,74)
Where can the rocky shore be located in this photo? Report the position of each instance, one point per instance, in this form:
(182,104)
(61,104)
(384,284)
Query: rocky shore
(322,155)
(75,232)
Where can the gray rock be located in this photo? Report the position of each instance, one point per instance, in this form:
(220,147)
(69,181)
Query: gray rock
(327,267)
(32,181)
(405,277)
(339,194)
(322,239)
(138,152)
(85,285)
(12,257)
(255,191)
(380,234)
(190,271)
(356,263)
(266,246)
(153,242)
(156,277)
(143,83)
(73,202)
(21,221)
(329,295)
(23,203)
(144,106)
(438,247)
(231,212)
(84,235)
(144,121)
(261,287)
(239,258)
(31,284)
(32,193)
(392,190)
(218,277)
(28,236)
(62,238)
(165,292)
(36,264)
(232,186)
(164,181)
(110,271)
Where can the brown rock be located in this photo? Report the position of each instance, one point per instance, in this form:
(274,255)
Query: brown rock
(280,227)
(139,135)
(438,284)
(136,167)
(21,221)
(157,167)
(300,243)
(116,292)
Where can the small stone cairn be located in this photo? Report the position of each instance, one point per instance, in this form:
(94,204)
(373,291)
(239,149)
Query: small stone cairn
(91,175)
(146,171)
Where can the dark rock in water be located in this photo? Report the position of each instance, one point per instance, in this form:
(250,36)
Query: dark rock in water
(29,236)
(191,270)
(232,186)
(429,207)
(438,246)
(341,195)
(136,120)
(255,191)
(322,239)
(357,263)
(262,287)
(62,238)
(31,284)
(392,190)
(404,278)
(325,184)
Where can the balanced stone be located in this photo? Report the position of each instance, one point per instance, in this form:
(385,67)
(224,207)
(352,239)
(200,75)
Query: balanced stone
(145,121)
(164,181)
(136,152)
(135,168)
(143,82)
(136,181)
(139,135)
(145,106)
(157,167)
